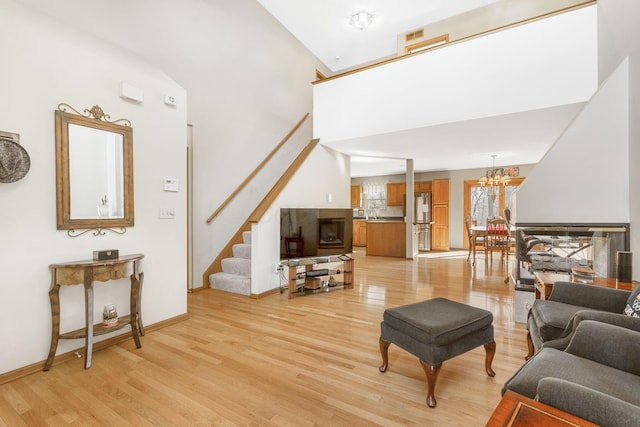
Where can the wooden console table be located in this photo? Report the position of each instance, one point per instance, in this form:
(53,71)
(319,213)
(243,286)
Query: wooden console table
(87,272)
(544,280)
(517,410)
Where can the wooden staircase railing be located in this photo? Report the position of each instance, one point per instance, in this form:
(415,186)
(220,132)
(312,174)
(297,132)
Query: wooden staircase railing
(256,170)
(262,207)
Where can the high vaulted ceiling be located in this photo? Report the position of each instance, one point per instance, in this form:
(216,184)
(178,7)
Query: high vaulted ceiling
(323,25)
(516,137)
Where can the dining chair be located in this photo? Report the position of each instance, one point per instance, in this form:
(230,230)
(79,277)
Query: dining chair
(512,249)
(475,240)
(512,232)
(497,238)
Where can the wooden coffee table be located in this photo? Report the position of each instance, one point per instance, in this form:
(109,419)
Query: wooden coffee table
(517,410)
(544,280)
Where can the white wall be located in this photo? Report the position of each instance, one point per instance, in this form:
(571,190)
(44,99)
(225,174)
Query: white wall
(45,64)
(248,86)
(619,37)
(325,171)
(248,79)
(584,177)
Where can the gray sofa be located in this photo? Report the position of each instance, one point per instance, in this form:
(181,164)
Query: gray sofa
(597,377)
(552,322)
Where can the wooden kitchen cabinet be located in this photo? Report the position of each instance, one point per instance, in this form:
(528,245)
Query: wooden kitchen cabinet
(422,187)
(386,238)
(395,191)
(440,228)
(440,191)
(440,215)
(360,233)
(356,196)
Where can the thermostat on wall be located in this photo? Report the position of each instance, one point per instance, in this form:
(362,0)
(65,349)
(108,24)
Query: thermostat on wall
(170,100)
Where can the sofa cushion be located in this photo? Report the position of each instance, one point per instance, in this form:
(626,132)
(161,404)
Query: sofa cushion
(551,317)
(550,362)
(633,304)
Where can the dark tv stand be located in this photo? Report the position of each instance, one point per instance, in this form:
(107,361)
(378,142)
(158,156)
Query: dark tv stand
(305,279)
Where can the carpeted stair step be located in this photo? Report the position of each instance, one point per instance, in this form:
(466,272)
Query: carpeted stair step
(231,283)
(242,250)
(236,272)
(239,266)
(246,237)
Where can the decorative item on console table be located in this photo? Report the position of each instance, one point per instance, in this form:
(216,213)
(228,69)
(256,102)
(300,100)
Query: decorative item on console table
(105,254)
(109,316)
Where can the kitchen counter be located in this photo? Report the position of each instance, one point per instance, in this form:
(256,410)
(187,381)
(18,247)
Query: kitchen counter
(386,237)
(382,218)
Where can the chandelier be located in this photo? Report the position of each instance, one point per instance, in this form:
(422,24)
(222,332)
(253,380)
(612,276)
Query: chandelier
(493,180)
(361,20)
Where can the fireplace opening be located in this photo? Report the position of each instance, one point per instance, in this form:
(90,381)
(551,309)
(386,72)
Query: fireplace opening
(331,233)
(563,248)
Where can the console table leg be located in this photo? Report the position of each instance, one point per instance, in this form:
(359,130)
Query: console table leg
(54,298)
(88,310)
(138,303)
(133,309)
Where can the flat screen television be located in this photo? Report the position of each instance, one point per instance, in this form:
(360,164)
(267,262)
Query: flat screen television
(320,232)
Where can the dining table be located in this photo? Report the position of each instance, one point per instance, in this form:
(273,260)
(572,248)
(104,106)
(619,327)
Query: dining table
(481,231)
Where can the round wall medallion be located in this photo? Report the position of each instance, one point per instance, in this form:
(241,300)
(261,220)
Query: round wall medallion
(14,161)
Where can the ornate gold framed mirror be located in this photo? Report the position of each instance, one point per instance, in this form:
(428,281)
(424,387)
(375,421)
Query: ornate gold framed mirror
(94,171)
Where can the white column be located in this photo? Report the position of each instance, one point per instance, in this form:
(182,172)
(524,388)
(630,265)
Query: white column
(409,209)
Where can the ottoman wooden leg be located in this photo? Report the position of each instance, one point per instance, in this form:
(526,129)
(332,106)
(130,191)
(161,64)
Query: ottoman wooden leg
(384,352)
(490,350)
(432,376)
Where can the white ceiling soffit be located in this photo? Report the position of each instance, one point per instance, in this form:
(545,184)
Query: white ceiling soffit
(517,139)
(517,81)
(323,25)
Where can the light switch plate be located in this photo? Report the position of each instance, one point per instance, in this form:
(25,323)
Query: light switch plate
(170,184)
(166,213)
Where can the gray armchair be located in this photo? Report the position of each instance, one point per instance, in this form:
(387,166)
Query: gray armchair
(551,323)
(599,373)
(584,402)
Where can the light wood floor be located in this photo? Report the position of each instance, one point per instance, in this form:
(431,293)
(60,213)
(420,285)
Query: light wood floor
(310,361)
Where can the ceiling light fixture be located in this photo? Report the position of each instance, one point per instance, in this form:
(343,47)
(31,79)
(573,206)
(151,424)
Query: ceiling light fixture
(361,20)
(494,179)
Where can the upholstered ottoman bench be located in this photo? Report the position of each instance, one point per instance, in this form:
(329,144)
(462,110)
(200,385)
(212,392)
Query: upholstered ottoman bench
(436,330)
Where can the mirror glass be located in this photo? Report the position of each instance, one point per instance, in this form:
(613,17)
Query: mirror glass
(96,175)
(94,171)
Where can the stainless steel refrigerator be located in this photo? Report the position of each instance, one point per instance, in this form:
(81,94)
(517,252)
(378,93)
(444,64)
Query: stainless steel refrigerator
(422,215)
